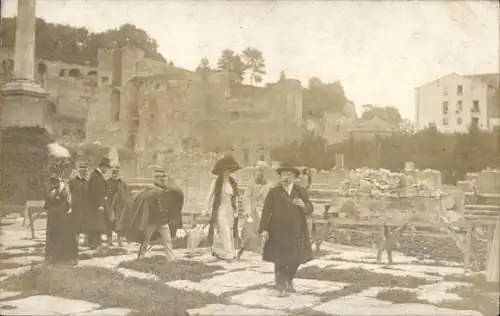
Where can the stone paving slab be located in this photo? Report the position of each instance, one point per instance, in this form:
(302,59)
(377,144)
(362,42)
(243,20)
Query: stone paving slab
(224,283)
(316,286)
(356,305)
(45,305)
(105,312)
(267,298)
(231,310)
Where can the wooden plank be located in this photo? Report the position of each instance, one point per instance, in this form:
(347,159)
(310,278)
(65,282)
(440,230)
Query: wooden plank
(483,220)
(482,207)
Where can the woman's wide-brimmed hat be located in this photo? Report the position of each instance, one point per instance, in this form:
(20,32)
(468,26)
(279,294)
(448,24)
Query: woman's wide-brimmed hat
(285,166)
(226,163)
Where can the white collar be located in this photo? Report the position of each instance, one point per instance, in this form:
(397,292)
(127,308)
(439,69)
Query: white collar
(289,188)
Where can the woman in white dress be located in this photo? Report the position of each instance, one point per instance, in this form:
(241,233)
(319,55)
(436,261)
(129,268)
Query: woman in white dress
(222,202)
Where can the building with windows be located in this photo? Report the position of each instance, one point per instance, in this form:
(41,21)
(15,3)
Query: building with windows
(454,102)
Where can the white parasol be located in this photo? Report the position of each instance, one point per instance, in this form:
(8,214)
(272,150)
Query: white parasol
(58,151)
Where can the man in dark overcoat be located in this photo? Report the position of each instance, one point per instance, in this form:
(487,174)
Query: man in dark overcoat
(78,189)
(119,198)
(98,208)
(284,226)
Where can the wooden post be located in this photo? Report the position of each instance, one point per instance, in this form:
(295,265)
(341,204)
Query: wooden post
(468,246)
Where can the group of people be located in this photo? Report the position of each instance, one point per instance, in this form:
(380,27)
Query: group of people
(82,206)
(275,221)
(274,215)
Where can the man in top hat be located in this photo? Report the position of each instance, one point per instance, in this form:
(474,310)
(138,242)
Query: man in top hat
(78,188)
(284,226)
(98,207)
(119,198)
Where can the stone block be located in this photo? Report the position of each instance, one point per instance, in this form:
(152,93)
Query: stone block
(267,298)
(230,310)
(46,305)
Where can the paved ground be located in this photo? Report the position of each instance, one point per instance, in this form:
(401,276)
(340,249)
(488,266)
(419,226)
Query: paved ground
(246,285)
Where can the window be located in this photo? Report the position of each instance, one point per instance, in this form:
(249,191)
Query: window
(460,90)
(475,106)
(445,107)
(338,127)
(104,79)
(115,104)
(445,122)
(459,106)
(62,72)
(445,90)
(235,115)
(459,121)
(51,108)
(246,156)
(75,73)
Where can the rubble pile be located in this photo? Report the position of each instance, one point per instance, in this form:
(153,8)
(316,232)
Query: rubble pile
(384,183)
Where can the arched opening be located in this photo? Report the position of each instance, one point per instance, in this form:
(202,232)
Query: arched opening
(115,105)
(42,72)
(41,68)
(246,156)
(51,108)
(75,73)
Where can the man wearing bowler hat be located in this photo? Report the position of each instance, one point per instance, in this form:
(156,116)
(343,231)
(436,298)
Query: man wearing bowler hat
(97,204)
(283,224)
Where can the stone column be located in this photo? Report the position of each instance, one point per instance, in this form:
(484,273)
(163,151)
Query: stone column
(24,101)
(24,61)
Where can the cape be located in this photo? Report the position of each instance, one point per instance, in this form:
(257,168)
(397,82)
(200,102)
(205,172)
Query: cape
(134,219)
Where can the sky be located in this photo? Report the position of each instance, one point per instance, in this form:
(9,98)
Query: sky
(379,50)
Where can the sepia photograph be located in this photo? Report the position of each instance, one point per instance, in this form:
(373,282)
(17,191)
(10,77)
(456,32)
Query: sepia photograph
(249,157)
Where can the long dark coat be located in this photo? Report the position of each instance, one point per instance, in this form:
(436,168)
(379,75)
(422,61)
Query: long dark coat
(60,237)
(78,189)
(152,206)
(286,224)
(119,197)
(96,220)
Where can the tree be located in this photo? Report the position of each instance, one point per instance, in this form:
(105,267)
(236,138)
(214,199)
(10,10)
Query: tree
(389,114)
(204,64)
(320,98)
(314,82)
(254,61)
(78,45)
(231,62)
